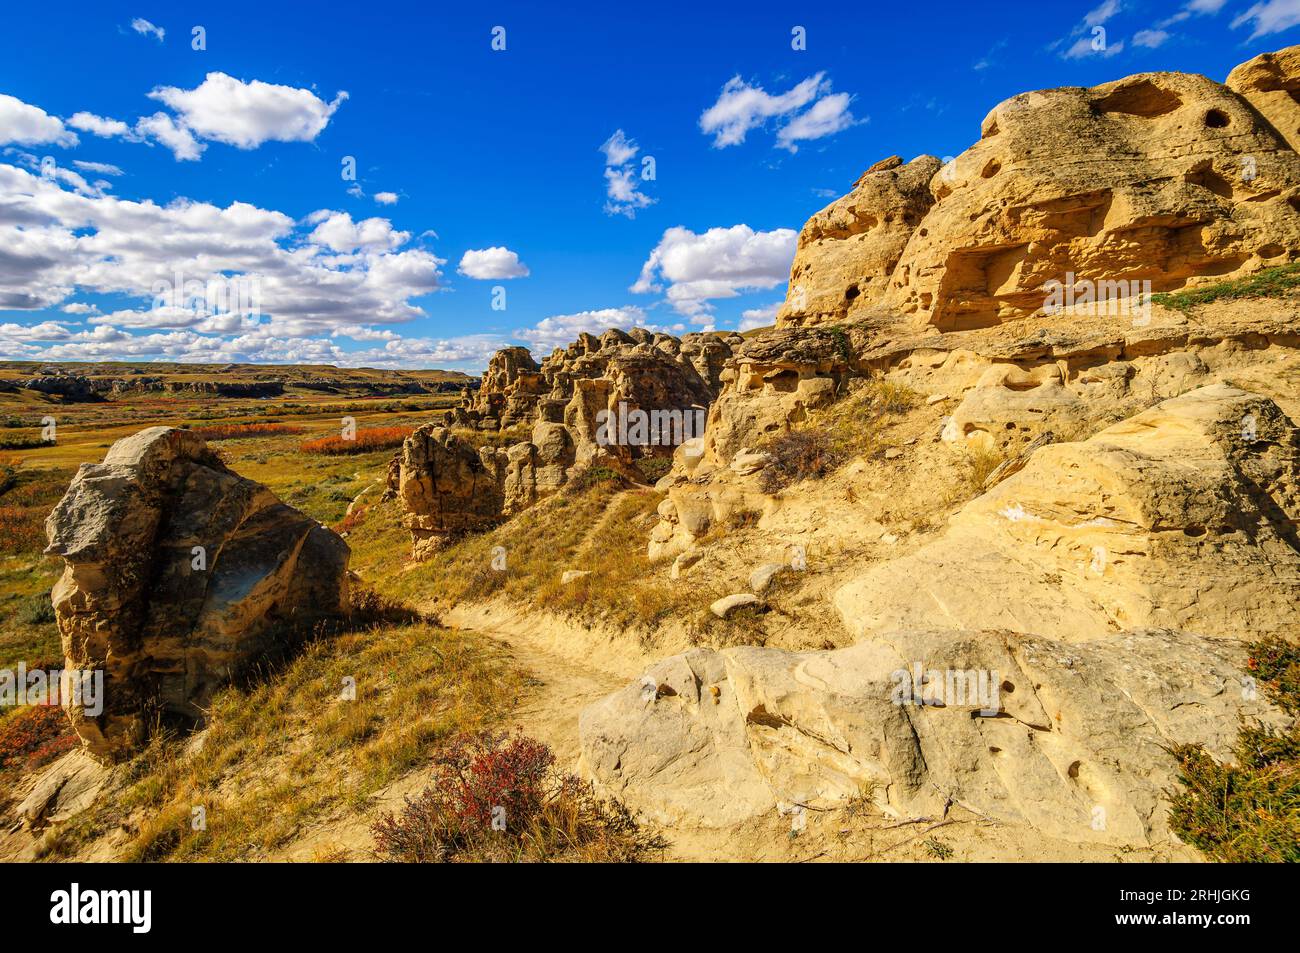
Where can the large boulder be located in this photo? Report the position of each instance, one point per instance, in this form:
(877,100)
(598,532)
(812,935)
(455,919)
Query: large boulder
(1183,516)
(178,575)
(1071,740)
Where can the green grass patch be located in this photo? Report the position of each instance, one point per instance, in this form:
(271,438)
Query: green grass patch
(1247,810)
(1269,283)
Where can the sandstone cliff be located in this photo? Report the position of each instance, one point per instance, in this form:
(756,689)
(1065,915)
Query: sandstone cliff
(1161,178)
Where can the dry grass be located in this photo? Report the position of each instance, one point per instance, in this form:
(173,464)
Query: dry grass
(980,463)
(292,751)
(597,524)
(849,428)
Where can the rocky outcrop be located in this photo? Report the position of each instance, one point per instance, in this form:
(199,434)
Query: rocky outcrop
(607,400)
(178,575)
(1070,739)
(511,387)
(1183,516)
(1149,183)
(447,487)
(770,385)
(71,387)
(849,250)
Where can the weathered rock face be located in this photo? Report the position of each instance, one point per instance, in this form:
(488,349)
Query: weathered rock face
(1070,739)
(1270,82)
(771,384)
(1167,178)
(447,487)
(178,574)
(1183,516)
(583,402)
(849,250)
(511,386)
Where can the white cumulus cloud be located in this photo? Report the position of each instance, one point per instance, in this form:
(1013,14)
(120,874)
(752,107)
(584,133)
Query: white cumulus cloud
(245,115)
(496,262)
(694,268)
(742,107)
(29,125)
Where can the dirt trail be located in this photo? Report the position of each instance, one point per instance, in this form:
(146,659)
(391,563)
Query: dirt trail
(559,688)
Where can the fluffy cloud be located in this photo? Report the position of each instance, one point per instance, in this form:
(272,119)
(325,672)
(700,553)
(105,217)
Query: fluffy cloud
(245,115)
(1271,16)
(828,115)
(99,125)
(741,107)
(619,149)
(492,263)
(165,130)
(341,273)
(51,341)
(337,231)
(759,317)
(386,198)
(622,183)
(720,263)
(561,330)
(28,125)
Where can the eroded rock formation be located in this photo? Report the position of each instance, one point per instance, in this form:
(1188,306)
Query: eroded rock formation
(1166,178)
(179,574)
(771,384)
(1183,516)
(1070,739)
(576,402)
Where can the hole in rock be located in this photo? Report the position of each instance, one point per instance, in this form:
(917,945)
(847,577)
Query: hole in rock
(992,169)
(1216,119)
(851,292)
(1074,770)
(1143,98)
(1270,251)
(1203,174)
(1195,532)
(1008,688)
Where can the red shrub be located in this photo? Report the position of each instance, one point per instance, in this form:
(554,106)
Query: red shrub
(35,735)
(373,438)
(23,528)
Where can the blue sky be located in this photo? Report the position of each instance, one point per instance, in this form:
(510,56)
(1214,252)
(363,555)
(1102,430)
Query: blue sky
(128,158)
